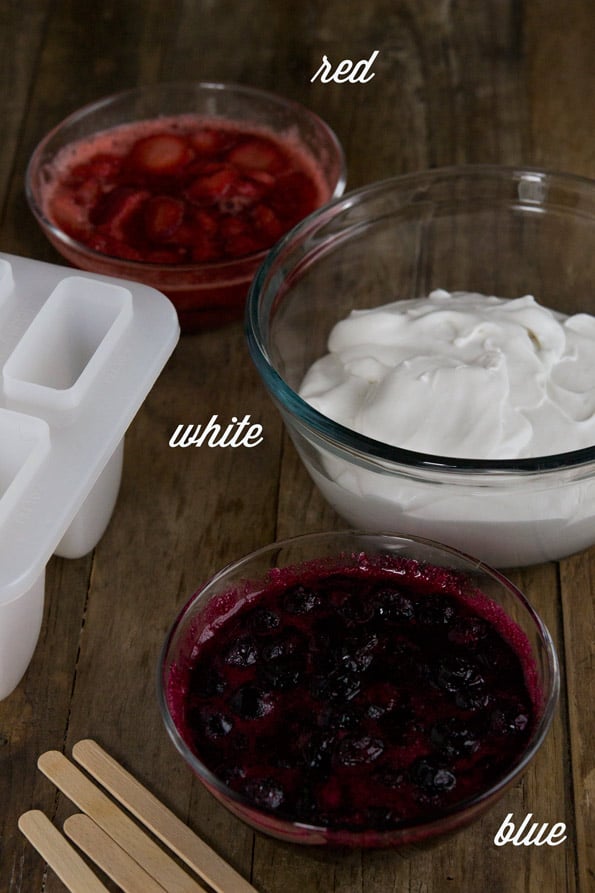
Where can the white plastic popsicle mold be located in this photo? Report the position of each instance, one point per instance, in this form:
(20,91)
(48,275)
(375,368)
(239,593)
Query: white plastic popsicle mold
(79,353)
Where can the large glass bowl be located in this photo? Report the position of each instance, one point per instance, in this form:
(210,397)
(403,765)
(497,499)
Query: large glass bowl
(204,294)
(335,551)
(496,231)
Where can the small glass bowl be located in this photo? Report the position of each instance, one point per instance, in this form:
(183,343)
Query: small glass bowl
(334,551)
(204,294)
(490,230)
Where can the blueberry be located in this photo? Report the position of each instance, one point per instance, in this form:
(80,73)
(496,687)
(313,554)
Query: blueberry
(284,673)
(492,654)
(431,778)
(215,724)
(468,632)
(382,698)
(231,775)
(266,793)
(354,609)
(260,620)
(282,759)
(434,611)
(455,674)
(474,699)
(510,719)
(397,660)
(242,653)
(357,651)
(394,606)
(453,737)
(317,751)
(239,742)
(251,702)
(284,645)
(340,685)
(354,750)
(300,600)
(397,724)
(353,662)
(389,777)
(327,641)
(326,660)
(273,650)
(343,716)
(207,682)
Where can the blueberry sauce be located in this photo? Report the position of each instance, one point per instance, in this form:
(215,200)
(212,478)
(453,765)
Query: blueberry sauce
(358,698)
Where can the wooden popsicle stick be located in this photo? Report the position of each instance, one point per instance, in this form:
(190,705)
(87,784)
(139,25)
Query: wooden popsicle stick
(115,823)
(159,819)
(109,856)
(62,858)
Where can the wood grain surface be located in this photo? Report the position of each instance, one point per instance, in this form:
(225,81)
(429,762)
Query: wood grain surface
(502,81)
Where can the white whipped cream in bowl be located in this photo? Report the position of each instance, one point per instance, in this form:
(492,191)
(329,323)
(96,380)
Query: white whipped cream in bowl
(419,401)
(462,374)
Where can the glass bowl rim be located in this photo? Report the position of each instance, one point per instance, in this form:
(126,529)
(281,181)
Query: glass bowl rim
(89,108)
(550,697)
(335,435)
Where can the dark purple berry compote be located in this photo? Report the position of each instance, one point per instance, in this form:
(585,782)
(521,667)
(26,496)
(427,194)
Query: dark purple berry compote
(360,697)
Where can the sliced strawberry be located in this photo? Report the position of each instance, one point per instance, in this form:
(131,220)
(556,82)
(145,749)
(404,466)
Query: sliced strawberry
(200,167)
(205,249)
(116,203)
(263,177)
(89,192)
(106,244)
(208,141)
(246,193)
(257,154)
(213,187)
(68,213)
(233,226)
(115,210)
(205,221)
(242,244)
(268,223)
(184,236)
(162,217)
(101,167)
(160,153)
(295,195)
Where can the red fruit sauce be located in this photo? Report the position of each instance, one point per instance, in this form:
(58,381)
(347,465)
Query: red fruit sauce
(357,699)
(182,190)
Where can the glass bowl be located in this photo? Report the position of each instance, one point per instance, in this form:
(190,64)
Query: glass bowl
(442,571)
(204,293)
(495,231)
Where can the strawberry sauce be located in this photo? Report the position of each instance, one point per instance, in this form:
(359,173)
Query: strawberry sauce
(182,190)
(358,699)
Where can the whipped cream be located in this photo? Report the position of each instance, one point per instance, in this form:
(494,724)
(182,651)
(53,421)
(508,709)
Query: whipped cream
(461,375)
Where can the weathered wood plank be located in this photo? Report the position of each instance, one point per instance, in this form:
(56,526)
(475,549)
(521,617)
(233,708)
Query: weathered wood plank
(577,576)
(561,67)
(455,82)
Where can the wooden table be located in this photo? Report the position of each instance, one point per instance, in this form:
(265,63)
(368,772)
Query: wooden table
(502,81)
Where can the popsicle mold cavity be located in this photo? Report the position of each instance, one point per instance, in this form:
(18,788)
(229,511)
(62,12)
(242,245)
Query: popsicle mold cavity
(93,516)
(68,343)
(78,355)
(24,443)
(20,623)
